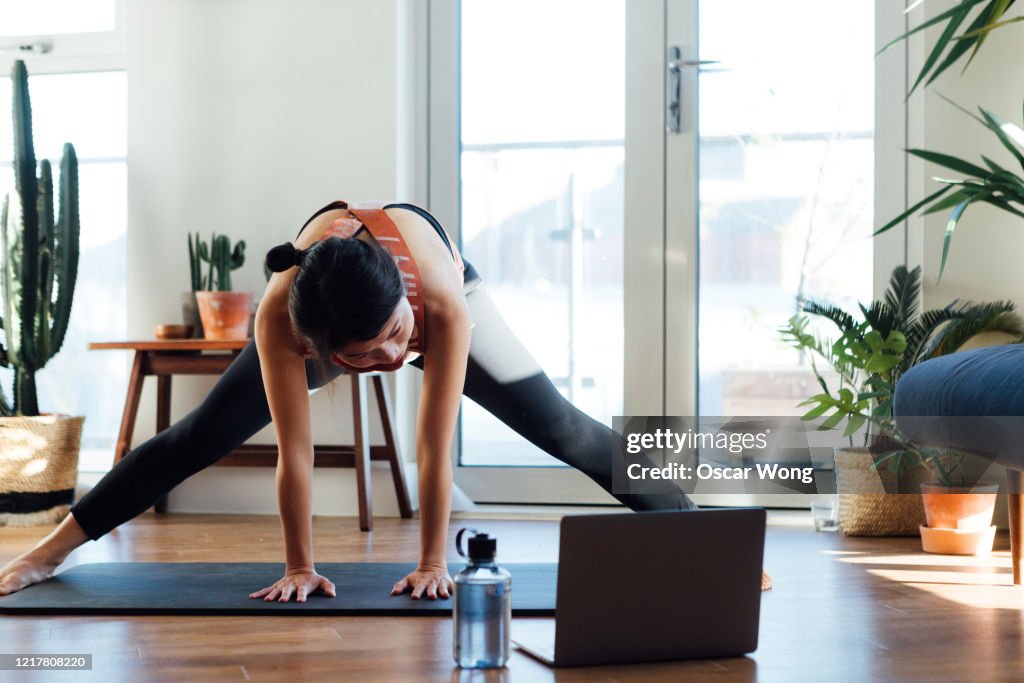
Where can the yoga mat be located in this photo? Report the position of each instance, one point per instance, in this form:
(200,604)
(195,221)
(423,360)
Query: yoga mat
(223,588)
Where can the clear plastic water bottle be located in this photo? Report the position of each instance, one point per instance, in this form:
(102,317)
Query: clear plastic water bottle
(483,605)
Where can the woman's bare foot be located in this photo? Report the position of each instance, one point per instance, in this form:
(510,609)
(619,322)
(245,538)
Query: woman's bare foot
(23,571)
(38,564)
(766,581)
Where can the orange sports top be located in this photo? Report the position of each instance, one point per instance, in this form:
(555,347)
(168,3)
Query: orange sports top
(384,230)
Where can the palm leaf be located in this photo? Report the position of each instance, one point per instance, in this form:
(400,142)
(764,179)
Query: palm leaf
(996,125)
(1005,205)
(984,18)
(988,19)
(940,45)
(967,194)
(988,16)
(969,319)
(922,330)
(880,316)
(906,214)
(842,320)
(962,8)
(903,294)
(950,162)
(954,218)
(990,27)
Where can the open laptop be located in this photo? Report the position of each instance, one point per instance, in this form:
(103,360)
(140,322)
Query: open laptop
(651,586)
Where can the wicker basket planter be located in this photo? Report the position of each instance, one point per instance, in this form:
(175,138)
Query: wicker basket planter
(38,468)
(868,504)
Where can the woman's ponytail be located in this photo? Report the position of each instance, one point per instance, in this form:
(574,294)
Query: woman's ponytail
(284,256)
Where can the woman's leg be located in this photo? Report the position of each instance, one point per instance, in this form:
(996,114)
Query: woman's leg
(504,378)
(234,410)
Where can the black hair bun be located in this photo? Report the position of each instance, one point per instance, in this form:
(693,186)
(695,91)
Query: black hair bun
(284,256)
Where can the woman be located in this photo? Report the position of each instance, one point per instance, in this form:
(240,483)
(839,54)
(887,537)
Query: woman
(358,290)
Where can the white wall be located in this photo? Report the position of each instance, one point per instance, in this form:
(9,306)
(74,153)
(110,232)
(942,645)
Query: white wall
(988,246)
(244,117)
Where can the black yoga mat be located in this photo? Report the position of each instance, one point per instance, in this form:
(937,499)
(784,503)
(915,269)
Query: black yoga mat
(223,588)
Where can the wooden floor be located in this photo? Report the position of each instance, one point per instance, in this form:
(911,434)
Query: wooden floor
(843,609)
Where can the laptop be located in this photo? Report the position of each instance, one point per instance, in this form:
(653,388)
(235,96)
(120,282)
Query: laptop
(652,586)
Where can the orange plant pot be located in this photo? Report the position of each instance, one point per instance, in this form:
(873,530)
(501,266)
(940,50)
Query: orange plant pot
(957,507)
(958,541)
(225,315)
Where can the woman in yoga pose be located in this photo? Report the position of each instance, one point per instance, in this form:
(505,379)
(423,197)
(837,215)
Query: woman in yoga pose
(358,290)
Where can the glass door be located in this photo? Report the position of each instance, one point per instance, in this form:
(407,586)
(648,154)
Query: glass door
(775,196)
(645,218)
(543,156)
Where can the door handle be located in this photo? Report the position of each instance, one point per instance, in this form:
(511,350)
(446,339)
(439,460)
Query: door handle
(674,67)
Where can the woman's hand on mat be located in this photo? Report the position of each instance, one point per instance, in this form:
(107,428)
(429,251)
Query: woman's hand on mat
(298,582)
(430,579)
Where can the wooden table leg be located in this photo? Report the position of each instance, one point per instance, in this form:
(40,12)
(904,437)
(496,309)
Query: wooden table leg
(361,427)
(1015,492)
(391,444)
(131,408)
(163,419)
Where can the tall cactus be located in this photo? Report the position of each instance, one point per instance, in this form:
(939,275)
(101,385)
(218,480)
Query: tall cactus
(222,259)
(38,256)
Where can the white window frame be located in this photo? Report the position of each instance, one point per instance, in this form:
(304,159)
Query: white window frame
(69,52)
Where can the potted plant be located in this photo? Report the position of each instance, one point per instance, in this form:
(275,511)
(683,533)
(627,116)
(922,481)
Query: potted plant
(225,314)
(39,260)
(958,515)
(960,522)
(189,305)
(868,358)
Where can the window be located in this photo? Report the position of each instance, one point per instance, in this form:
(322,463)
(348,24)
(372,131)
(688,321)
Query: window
(78,97)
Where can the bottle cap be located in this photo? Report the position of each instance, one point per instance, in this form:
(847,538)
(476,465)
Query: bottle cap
(480,546)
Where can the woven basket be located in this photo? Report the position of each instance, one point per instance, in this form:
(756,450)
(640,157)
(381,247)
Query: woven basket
(868,505)
(38,468)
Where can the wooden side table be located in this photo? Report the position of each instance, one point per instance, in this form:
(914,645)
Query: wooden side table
(164,359)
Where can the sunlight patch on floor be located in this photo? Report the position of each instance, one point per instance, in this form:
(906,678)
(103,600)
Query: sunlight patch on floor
(996,559)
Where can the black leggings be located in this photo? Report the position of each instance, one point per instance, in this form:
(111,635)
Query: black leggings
(501,376)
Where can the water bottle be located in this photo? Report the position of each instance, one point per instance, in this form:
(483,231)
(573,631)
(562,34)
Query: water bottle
(482,609)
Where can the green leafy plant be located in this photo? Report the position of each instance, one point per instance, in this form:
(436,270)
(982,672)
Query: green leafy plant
(39,257)
(951,47)
(869,356)
(222,259)
(992,183)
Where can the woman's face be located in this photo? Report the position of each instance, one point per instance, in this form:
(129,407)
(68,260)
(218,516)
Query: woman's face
(388,347)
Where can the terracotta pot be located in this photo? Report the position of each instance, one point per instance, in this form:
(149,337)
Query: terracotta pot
(190,314)
(225,315)
(959,507)
(958,541)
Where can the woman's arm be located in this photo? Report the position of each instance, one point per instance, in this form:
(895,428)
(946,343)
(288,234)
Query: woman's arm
(444,377)
(284,379)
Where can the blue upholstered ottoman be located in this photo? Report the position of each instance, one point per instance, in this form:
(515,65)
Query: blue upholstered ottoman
(972,401)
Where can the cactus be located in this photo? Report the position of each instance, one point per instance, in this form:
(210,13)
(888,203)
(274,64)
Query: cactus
(222,259)
(195,259)
(38,256)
